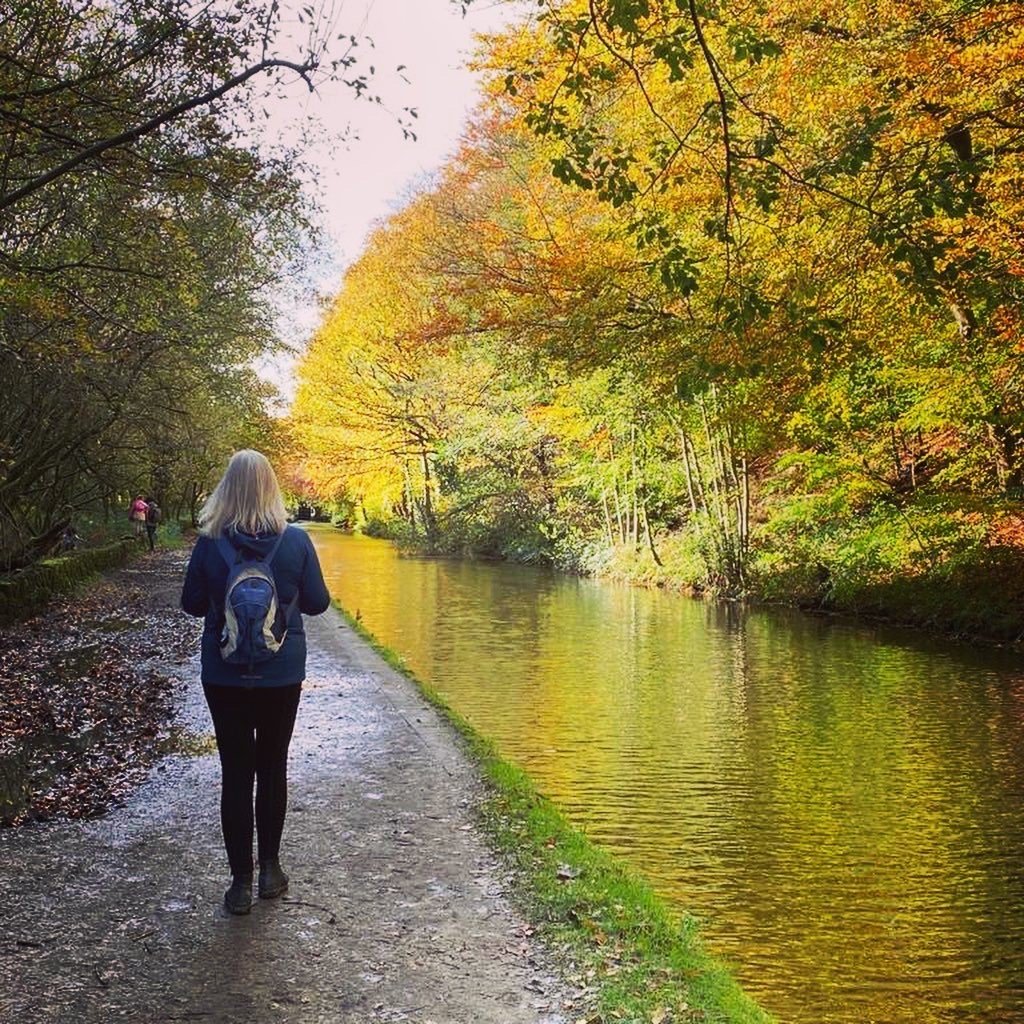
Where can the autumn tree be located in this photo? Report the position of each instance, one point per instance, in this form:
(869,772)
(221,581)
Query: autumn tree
(142,227)
(895,131)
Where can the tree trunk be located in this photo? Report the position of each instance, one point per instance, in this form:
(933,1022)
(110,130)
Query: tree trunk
(618,511)
(1006,443)
(409,498)
(684,444)
(607,517)
(649,535)
(429,523)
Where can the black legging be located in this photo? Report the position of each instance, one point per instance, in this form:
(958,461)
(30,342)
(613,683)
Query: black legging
(253,727)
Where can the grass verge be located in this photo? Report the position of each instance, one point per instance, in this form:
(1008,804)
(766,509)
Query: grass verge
(643,963)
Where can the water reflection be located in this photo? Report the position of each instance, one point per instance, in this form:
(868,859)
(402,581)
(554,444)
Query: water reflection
(843,806)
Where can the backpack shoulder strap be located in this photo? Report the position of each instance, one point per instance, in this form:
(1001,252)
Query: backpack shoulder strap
(277,544)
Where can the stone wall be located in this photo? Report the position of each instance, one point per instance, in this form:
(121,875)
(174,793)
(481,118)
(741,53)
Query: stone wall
(27,591)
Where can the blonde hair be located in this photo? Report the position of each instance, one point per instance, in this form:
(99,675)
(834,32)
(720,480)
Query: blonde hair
(248,498)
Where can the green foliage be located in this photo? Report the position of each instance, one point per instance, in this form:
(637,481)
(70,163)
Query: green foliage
(387,528)
(683,563)
(143,230)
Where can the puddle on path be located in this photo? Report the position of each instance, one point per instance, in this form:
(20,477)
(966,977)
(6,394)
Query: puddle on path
(183,741)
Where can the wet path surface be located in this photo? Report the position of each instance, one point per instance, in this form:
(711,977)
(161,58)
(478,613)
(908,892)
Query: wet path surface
(396,911)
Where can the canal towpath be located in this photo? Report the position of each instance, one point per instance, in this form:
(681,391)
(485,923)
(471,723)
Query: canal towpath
(397,909)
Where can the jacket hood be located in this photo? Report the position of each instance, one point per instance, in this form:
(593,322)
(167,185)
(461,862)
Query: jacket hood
(258,544)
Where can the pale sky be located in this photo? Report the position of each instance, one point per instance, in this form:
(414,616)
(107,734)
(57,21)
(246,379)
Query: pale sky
(433,40)
(363,180)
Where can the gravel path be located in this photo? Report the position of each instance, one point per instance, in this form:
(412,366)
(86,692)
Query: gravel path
(396,912)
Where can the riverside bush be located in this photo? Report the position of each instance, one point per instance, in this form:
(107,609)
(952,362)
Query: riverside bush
(682,563)
(811,551)
(379,526)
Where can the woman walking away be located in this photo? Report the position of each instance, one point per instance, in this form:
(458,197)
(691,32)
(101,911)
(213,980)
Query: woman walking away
(252,576)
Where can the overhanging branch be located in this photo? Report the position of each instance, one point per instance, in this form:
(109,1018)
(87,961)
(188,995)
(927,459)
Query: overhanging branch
(148,127)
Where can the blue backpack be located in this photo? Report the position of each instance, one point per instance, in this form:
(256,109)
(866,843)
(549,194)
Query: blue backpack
(255,626)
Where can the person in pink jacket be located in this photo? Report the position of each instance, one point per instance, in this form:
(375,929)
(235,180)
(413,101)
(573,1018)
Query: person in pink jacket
(137,514)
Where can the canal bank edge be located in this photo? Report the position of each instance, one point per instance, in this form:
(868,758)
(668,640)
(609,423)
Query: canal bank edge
(976,598)
(643,964)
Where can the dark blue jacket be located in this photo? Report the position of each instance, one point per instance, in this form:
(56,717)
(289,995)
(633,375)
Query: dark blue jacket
(296,570)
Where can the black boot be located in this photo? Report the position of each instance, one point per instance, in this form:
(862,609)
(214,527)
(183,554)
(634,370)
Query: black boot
(238,899)
(273,881)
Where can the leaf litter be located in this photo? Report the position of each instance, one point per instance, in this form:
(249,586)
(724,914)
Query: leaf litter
(85,698)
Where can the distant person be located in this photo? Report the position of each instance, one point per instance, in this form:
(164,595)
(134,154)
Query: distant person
(153,517)
(70,538)
(137,515)
(252,693)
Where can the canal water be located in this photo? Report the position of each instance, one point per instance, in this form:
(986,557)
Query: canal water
(841,806)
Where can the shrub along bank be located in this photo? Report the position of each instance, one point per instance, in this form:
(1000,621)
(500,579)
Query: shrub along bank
(954,571)
(642,962)
(951,566)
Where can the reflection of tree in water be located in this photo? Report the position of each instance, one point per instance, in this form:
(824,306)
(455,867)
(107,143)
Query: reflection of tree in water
(794,780)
